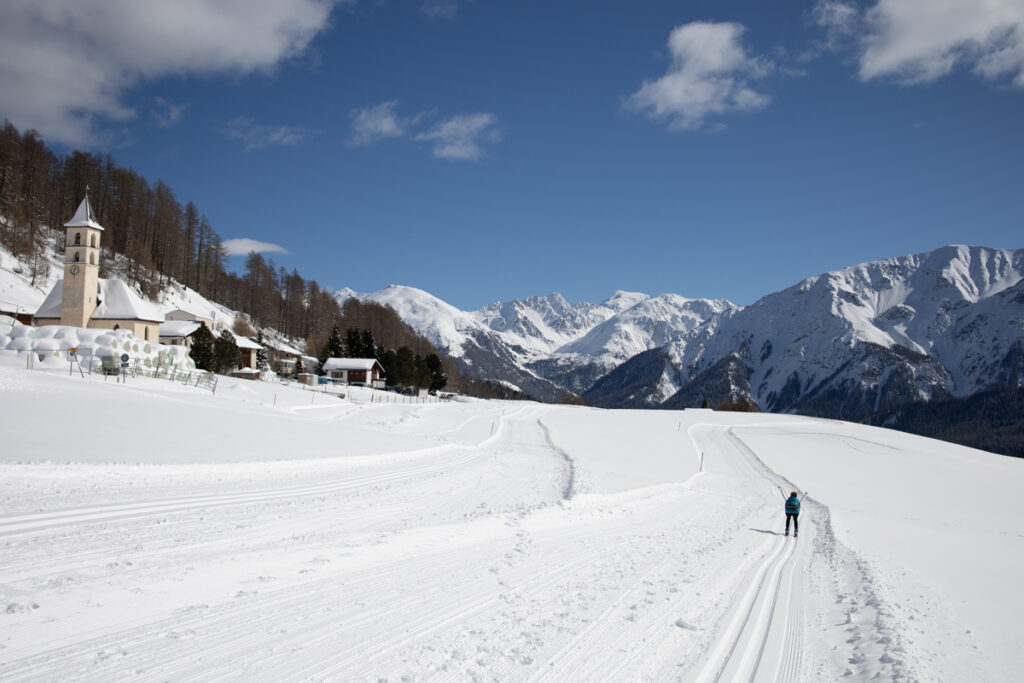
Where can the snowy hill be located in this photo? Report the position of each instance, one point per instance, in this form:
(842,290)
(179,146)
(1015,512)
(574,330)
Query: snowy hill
(293,535)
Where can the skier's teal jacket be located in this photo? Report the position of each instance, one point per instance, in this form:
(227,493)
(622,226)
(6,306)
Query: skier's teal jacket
(792,505)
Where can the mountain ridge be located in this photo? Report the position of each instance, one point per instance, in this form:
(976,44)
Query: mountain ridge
(853,343)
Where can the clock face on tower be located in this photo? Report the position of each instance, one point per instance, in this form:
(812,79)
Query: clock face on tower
(73,270)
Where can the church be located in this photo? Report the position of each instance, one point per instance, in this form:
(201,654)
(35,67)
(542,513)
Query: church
(83,298)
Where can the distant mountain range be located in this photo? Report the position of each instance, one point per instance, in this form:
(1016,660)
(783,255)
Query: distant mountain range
(862,343)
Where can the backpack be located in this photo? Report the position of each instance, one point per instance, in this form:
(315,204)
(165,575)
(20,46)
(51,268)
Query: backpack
(792,506)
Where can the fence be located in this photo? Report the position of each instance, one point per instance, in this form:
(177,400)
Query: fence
(196,378)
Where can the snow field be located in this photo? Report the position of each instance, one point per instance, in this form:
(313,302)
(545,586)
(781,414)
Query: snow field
(270,533)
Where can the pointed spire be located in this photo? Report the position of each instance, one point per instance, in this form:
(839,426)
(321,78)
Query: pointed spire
(84,217)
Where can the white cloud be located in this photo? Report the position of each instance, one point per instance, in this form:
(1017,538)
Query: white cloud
(710,75)
(462,137)
(167,113)
(257,135)
(243,246)
(379,122)
(842,21)
(917,41)
(65,65)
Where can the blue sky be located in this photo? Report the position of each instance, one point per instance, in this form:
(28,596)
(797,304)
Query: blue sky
(487,150)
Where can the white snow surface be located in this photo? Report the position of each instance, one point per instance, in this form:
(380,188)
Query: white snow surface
(153,531)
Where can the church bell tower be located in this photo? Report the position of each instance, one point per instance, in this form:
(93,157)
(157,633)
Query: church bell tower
(81,266)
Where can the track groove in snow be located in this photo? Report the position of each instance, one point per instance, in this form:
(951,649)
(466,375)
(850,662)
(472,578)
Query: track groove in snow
(483,541)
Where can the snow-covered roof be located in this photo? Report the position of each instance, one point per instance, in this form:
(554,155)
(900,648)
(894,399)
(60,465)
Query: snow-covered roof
(349,364)
(244,342)
(178,329)
(281,346)
(84,217)
(208,315)
(117,302)
(50,308)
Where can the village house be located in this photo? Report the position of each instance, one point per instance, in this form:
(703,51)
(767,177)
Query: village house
(209,319)
(248,349)
(83,299)
(366,371)
(179,332)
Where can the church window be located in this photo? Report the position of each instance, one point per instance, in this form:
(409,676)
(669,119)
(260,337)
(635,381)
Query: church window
(76,257)
(78,238)
(92,259)
(92,241)
(147,334)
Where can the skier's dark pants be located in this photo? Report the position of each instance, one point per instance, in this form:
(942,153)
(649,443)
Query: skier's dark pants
(796,522)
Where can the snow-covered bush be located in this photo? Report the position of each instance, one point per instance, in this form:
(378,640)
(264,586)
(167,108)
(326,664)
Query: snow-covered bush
(53,341)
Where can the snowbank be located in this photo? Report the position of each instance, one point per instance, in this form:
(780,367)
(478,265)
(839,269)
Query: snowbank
(52,342)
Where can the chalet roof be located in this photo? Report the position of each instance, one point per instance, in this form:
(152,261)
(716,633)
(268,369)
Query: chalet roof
(117,302)
(244,342)
(349,364)
(281,347)
(194,312)
(84,217)
(178,329)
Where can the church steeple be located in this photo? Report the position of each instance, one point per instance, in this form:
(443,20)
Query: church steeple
(81,266)
(84,217)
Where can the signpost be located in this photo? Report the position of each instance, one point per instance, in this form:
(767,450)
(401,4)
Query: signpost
(73,361)
(124,366)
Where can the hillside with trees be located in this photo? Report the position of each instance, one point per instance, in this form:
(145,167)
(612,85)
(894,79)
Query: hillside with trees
(155,240)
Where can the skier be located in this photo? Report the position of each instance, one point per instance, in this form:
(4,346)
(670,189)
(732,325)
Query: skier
(793,512)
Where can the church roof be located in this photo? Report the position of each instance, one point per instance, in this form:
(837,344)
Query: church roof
(50,308)
(84,217)
(117,302)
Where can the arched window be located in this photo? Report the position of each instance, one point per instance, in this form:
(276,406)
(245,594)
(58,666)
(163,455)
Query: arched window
(78,238)
(92,259)
(116,326)
(92,241)
(76,257)
(146,333)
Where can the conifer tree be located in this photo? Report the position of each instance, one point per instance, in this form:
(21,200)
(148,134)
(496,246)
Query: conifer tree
(226,354)
(334,348)
(438,378)
(202,349)
(354,343)
(262,361)
(367,345)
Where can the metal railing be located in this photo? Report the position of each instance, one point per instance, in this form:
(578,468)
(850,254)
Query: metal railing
(195,378)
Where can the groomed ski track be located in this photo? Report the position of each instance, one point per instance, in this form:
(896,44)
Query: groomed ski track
(485,561)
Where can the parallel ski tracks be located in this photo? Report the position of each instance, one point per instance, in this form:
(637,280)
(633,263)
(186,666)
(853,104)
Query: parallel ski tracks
(33,523)
(747,641)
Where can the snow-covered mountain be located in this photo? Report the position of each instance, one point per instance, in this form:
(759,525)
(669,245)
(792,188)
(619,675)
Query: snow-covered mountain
(542,344)
(858,341)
